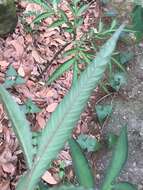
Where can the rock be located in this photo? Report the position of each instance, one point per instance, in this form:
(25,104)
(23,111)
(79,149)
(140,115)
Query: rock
(8,18)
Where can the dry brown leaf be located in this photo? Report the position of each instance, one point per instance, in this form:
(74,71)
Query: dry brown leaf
(64,155)
(41,121)
(4,185)
(47,177)
(18,47)
(4,64)
(21,71)
(8,168)
(37,57)
(28,38)
(51,107)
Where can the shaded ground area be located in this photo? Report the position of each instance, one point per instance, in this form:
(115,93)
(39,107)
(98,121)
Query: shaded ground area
(128,109)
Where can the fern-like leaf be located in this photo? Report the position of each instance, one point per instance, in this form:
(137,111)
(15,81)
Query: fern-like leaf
(64,119)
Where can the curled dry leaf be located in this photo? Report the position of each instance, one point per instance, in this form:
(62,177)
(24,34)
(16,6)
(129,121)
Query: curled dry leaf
(47,177)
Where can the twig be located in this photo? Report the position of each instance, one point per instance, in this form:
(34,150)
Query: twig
(49,63)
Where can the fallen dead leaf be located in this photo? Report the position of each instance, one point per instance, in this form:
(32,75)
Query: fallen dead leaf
(51,107)
(41,121)
(47,177)
(64,155)
(4,64)
(21,71)
(18,47)
(4,185)
(8,168)
(37,57)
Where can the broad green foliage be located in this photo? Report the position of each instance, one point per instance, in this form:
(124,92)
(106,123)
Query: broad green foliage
(63,120)
(81,167)
(20,125)
(118,160)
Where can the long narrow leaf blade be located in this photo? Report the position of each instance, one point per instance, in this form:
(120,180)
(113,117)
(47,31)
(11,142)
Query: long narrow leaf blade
(42,16)
(68,188)
(119,158)
(20,125)
(124,186)
(81,167)
(63,120)
(60,70)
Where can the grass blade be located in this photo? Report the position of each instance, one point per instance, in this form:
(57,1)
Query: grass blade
(20,125)
(81,167)
(124,186)
(119,158)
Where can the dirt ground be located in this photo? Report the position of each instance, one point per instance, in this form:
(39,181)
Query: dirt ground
(128,109)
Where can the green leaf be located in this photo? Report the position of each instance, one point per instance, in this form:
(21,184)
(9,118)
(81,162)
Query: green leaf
(124,186)
(125,57)
(19,80)
(42,3)
(118,80)
(103,111)
(81,167)
(82,9)
(8,83)
(56,23)
(42,16)
(137,21)
(20,125)
(60,70)
(63,15)
(11,72)
(69,188)
(79,22)
(112,140)
(70,51)
(89,143)
(119,158)
(75,73)
(31,107)
(61,123)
